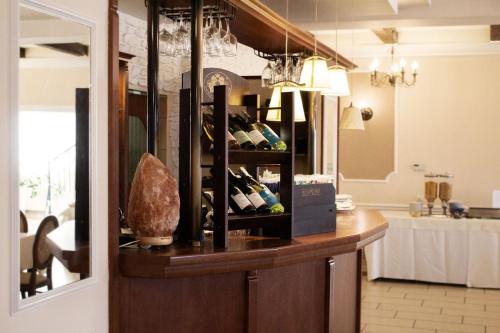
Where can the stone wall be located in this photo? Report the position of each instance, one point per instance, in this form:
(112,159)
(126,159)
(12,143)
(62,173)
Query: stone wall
(133,41)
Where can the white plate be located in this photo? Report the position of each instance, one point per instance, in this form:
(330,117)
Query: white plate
(345,209)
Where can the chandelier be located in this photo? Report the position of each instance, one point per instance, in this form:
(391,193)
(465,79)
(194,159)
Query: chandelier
(399,74)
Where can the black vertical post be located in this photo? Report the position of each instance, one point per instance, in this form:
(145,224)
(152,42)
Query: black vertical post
(82,172)
(153,64)
(287,171)
(196,99)
(221,163)
(184,229)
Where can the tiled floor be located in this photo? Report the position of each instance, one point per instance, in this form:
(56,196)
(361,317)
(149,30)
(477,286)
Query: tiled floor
(399,307)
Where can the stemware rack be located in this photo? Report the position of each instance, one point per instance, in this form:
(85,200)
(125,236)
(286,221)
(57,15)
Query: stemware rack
(215,8)
(278,225)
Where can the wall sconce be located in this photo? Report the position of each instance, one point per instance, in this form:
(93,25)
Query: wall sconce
(366,113)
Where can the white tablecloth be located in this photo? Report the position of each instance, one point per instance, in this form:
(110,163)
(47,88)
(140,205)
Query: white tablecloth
(437,249)
(26,249)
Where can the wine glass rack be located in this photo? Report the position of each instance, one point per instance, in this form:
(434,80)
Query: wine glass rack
(277,225)
(177,10)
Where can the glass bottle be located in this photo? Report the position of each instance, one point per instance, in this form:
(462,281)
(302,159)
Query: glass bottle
(240,135)
(208,128)
(271,200)
(253,131)
(254,197)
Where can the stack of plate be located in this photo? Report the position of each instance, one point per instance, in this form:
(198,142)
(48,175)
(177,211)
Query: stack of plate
(344,202)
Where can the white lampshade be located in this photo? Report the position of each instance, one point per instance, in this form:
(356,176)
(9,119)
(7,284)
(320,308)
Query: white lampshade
(339,85)
(352,119)
(275,114)
(314,75)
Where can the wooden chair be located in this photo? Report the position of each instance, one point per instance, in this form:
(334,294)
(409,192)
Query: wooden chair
(40,275)
(24,222)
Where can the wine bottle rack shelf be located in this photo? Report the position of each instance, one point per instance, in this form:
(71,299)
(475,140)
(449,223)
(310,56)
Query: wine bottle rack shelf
(273,224)
(257,157)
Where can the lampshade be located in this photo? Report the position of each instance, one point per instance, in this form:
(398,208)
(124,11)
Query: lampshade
(314,75)
(275,114)
(339,85)
(352,119)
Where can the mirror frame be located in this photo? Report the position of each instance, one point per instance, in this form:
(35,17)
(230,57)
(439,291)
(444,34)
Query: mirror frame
(18,304)
(395,170)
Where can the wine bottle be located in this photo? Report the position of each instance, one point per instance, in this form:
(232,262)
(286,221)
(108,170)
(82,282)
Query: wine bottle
(268,133)
(253,131)
(239,202)
(208,127)
(240,135)
(249,192)
(268,196)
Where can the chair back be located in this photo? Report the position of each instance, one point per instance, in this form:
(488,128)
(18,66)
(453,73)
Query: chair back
(41,252)
(24,222)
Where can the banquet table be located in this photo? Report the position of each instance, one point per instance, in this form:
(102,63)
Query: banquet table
(437,249)
(26,249)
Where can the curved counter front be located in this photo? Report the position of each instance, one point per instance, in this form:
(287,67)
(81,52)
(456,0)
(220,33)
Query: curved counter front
(308,284)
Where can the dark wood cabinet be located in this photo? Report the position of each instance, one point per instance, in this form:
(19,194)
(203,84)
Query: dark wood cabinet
(257,285)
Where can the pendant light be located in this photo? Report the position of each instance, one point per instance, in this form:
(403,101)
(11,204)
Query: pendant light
(274,112)
(314,75)
(287,85)
(339,86)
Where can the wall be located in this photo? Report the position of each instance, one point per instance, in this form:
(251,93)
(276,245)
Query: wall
(133,39)
(85,310)
(449,122)
(51,86)
(368,154)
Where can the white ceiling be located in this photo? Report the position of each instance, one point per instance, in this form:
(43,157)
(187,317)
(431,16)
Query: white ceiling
(426,27)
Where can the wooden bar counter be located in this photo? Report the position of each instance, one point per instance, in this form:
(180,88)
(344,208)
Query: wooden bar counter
(308,284)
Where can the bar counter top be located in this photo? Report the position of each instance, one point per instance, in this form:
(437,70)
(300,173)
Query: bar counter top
(354,230)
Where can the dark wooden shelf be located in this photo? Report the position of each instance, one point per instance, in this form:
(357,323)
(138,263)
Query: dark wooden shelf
(238,222)
(259,157)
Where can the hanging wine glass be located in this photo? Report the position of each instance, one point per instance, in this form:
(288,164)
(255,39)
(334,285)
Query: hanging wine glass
(229,42)
(166,40)
(267,75)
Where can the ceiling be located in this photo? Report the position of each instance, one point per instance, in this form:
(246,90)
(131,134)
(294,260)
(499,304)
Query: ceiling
(426,27)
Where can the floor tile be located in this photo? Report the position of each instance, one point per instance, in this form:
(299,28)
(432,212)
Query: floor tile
(393,300)
(388,321)
(493,308)
(430,317)
(483,299)
(482,321)
(471,313)
(448,305)
(436,298)
(449,326)
(378,313)
(371,328)
(409,308)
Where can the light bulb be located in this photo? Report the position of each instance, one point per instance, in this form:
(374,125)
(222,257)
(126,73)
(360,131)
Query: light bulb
(395,68)
(375,64)
(402,63)
(414,66)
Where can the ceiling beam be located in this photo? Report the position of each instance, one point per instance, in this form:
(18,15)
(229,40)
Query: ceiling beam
(495,33)
(387,35)
(75,49)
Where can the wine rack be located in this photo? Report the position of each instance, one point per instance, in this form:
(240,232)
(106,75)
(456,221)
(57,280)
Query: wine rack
(278,225)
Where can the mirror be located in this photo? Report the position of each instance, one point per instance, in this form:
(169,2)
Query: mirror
(53,134)
(370,154)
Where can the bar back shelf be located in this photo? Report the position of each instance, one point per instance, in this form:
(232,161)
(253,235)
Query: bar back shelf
(277,225)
